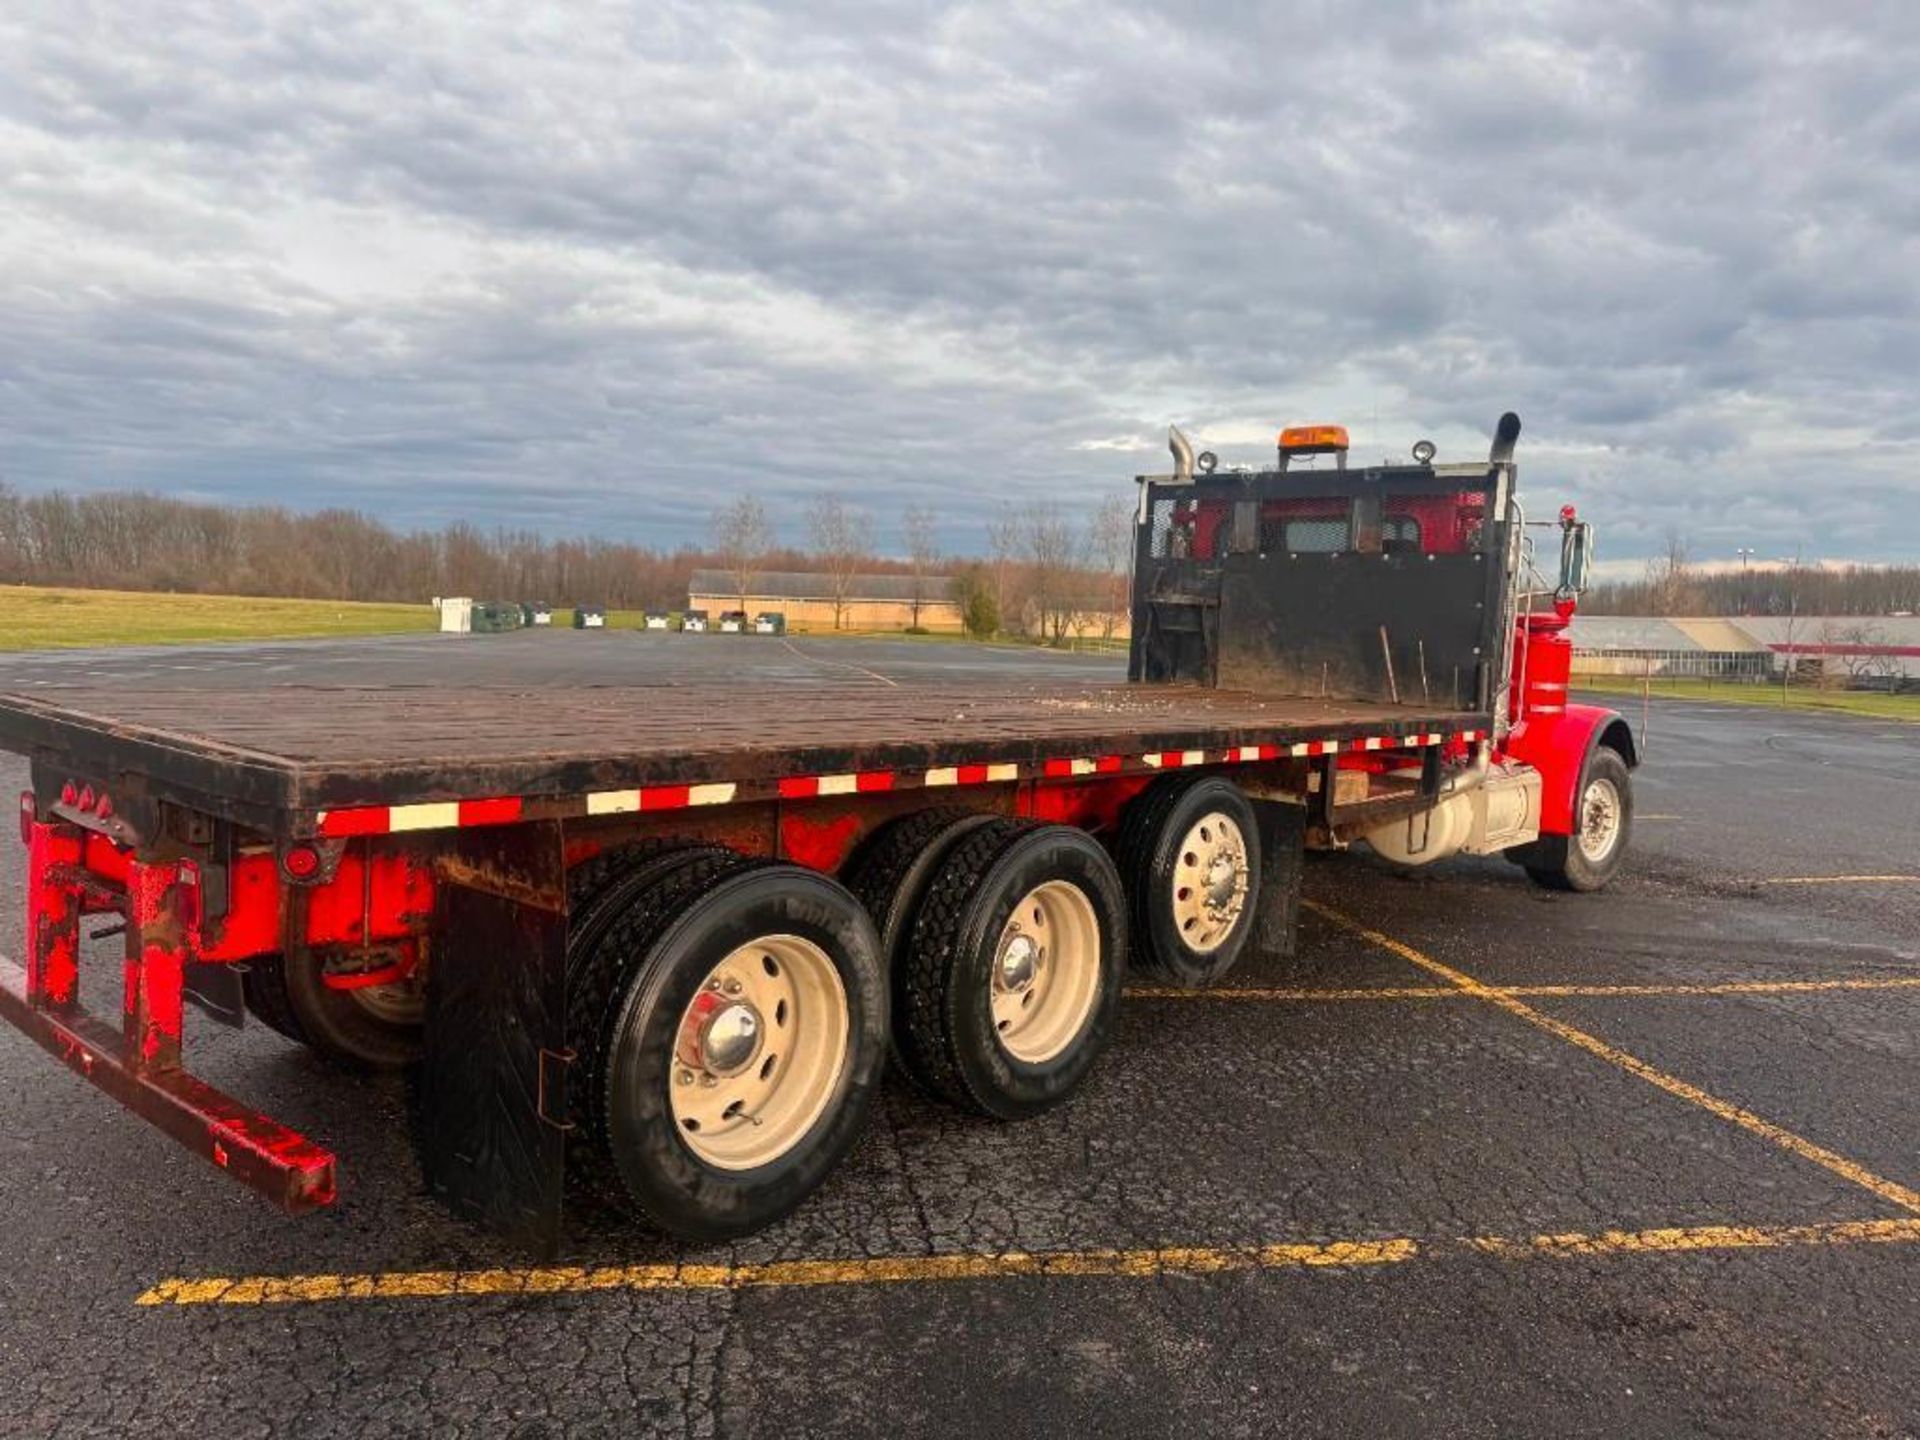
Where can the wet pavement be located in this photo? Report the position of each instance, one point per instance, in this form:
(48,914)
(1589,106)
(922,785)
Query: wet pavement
(1477,1160)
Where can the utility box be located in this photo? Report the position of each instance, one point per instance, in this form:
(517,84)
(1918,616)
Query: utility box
(456,614)
(589,617)
(495,617)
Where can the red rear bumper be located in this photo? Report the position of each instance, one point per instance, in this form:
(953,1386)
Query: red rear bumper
(281,1164)
(138,1061)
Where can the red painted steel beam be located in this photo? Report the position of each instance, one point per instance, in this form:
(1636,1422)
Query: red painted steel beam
(281,1164)
(156,962)
(53,915)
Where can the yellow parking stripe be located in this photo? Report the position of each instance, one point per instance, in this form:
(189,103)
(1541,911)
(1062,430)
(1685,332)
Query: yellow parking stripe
(1222,992)
(549,1280)
(1703,1237)
(1888,1190)
(1840,880)
(1600,992)
(1128,1264)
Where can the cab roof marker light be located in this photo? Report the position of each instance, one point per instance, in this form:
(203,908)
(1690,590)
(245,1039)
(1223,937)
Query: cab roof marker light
(1313,439)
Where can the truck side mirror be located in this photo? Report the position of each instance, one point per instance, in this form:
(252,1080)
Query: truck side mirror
(1576,557)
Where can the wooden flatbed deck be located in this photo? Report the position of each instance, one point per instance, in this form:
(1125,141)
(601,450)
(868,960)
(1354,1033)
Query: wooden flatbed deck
(294,751)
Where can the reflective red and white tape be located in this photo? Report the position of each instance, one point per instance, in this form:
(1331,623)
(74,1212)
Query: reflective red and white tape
(505,809)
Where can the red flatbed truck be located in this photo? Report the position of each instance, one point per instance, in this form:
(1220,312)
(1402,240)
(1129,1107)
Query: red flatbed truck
(660,941)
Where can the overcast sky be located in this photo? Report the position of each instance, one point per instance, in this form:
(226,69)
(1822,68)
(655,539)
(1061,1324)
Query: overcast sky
(599,268)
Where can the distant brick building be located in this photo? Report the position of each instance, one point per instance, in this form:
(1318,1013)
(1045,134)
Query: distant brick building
(805,598)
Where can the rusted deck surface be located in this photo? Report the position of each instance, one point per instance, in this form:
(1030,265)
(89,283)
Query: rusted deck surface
(299,747)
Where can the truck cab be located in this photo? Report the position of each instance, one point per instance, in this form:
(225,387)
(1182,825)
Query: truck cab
(1398,584)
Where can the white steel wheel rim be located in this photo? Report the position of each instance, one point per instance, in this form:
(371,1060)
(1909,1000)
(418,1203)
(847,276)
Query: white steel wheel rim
(402,1003)
(1600,816)
(1210,882)
(1046,972)
(759,1052)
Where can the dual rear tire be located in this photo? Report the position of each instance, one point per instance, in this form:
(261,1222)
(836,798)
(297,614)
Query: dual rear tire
(1006,944)
(1189,848)
(730,1016)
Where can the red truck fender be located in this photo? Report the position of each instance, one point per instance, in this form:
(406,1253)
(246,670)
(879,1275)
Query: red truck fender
(1559,746)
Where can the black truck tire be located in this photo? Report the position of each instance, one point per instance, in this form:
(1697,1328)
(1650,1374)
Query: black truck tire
(892,868)
(1603,818)
(1009,988)
(662,987)
(375,1029)
(1189,855)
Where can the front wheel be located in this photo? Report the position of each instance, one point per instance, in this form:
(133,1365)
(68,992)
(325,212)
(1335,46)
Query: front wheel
(1602,823)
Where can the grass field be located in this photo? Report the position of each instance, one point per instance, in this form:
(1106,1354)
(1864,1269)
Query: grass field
(1800,697)
(39,618)
(35,617)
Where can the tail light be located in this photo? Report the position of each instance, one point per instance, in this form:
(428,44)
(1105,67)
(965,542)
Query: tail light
(28,815)
(301,862)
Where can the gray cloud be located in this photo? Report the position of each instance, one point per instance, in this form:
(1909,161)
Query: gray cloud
(599,270)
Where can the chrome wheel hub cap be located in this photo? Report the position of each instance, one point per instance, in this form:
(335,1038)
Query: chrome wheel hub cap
(1019,965)
(1210,882)
(759,1052)
(1046,972)
(1600,816)
(727,1039)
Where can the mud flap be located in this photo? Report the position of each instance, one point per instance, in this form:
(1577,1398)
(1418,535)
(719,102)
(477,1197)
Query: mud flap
(1283,831)
(489,1093)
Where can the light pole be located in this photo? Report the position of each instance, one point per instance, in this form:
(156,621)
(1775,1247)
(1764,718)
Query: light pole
(1746,554)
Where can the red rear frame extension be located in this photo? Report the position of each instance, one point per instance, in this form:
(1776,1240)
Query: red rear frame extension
(138,1062)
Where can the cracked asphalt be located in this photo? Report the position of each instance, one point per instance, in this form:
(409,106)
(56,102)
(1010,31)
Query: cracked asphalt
(1215,1126)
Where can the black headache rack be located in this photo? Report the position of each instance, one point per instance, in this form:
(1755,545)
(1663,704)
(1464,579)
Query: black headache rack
(1386,584)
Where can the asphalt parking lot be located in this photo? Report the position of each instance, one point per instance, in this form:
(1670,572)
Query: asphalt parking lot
(1476,1160)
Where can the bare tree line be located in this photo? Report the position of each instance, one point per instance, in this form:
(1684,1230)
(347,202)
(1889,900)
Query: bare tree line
(1042,570)
(1044,573)
(134,541)
(1675,584)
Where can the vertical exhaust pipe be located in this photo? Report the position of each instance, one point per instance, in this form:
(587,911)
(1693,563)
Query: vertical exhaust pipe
(1182,449)
(1504,437)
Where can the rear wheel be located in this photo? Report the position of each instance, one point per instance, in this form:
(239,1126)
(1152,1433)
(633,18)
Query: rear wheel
(1189,851)
(1603,822)
(890,872)
(730,1024)
(336,1003)
(1008,990)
